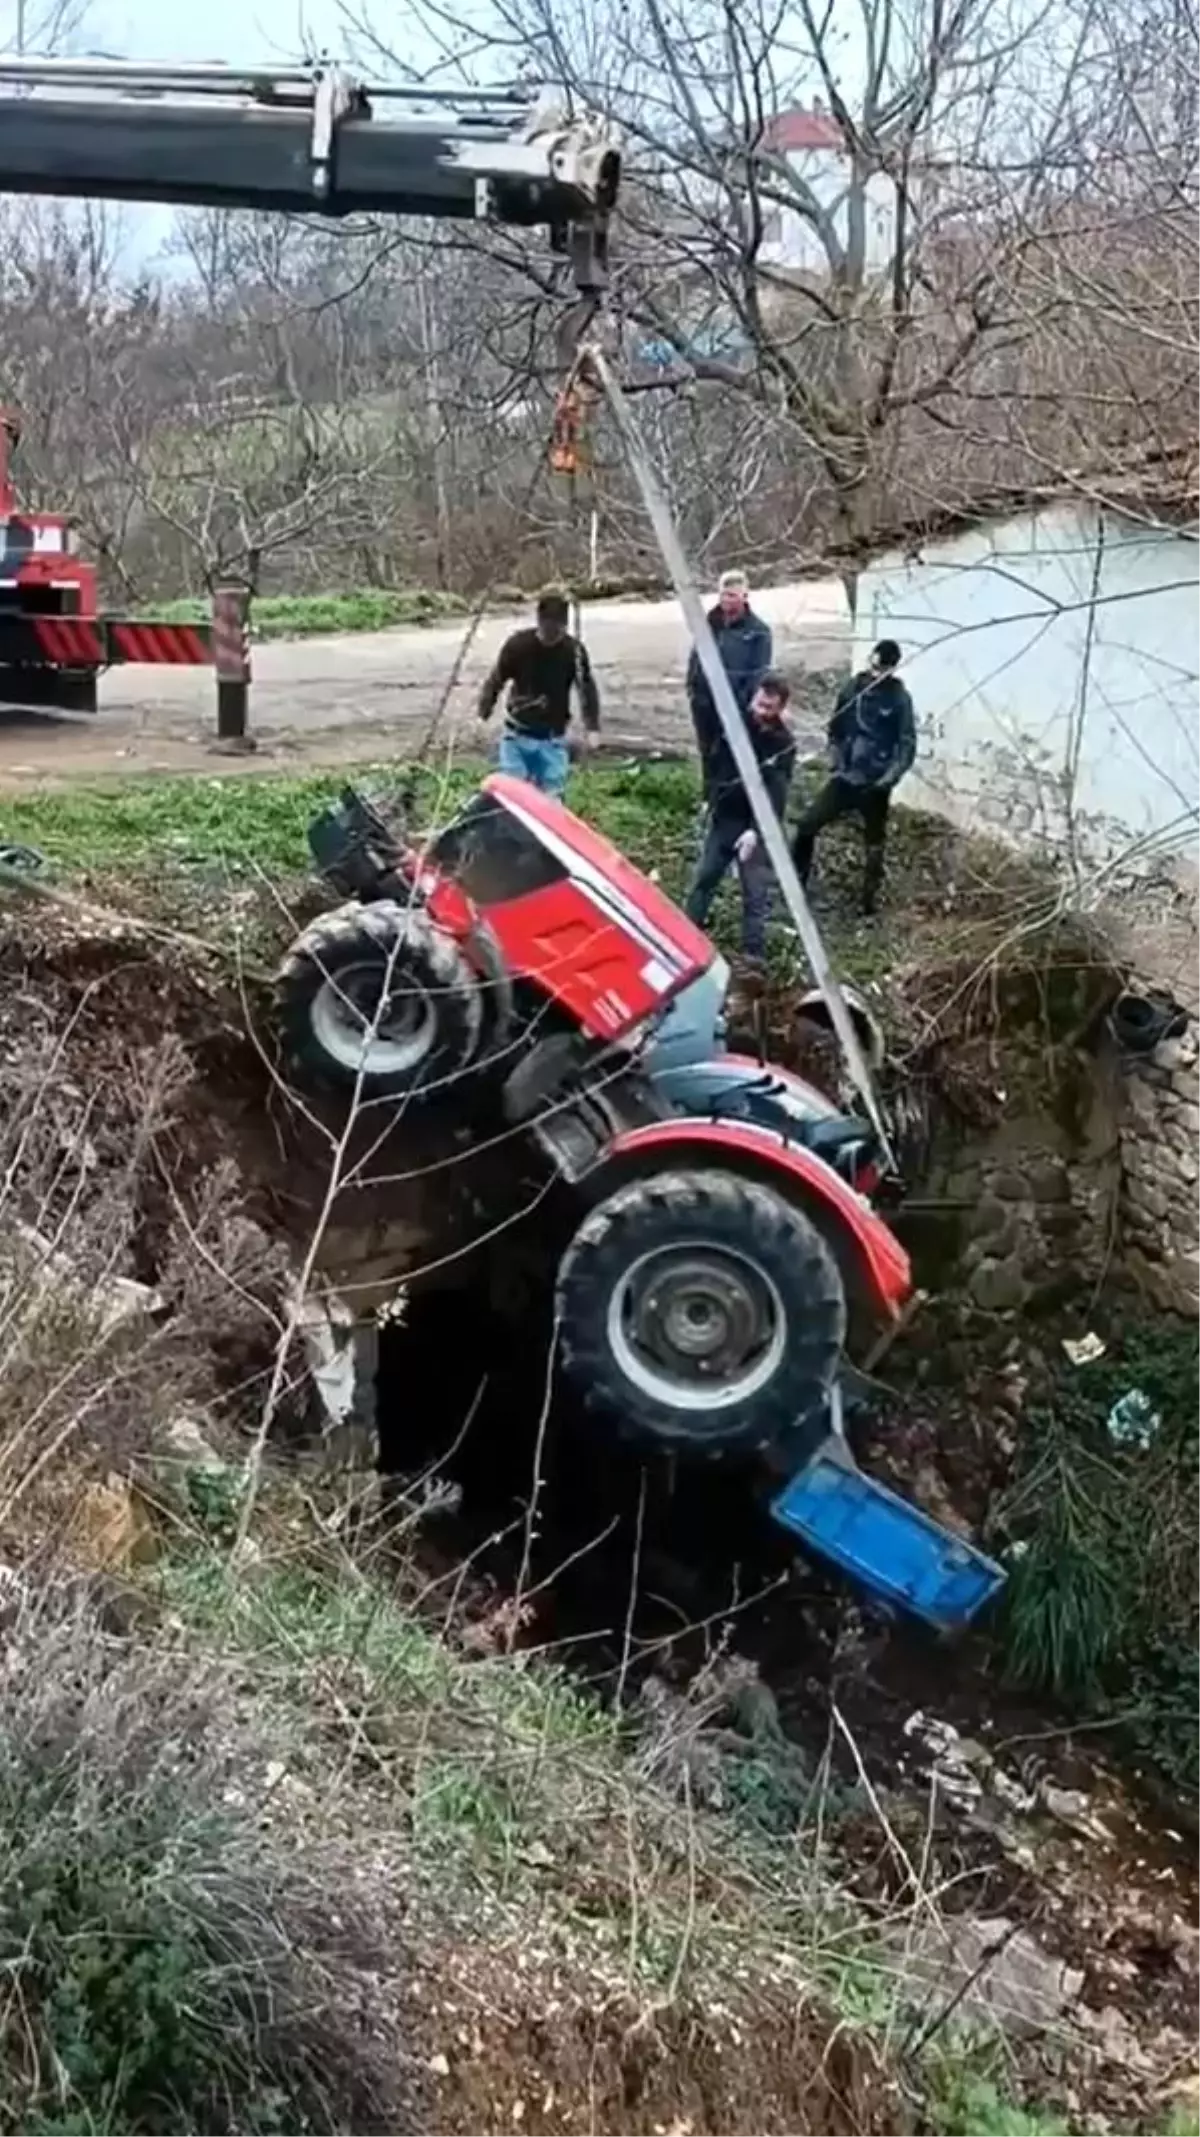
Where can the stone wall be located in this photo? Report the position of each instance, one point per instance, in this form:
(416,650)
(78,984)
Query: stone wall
(1038,1207)
(1159,1129)
(1027,1207)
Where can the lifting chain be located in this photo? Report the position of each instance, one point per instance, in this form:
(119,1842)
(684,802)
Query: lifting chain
(567,451)
(585,327)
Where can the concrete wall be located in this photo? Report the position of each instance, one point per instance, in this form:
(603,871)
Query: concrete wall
(1054,661)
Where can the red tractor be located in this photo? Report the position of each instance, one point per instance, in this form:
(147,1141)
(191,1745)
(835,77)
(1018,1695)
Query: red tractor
(720,1248)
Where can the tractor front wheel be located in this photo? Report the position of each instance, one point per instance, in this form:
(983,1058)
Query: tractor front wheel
(375,999)
(704,1314)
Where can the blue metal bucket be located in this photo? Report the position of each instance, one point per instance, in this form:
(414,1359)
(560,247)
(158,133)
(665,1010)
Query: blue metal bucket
(901,1556)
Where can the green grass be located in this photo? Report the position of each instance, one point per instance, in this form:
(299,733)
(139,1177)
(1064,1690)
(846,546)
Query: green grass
(648,809)
(491,1755)
(176,842)
(320,615)
(139,823)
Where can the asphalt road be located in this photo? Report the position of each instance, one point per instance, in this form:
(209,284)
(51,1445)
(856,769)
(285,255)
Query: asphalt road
(366,695)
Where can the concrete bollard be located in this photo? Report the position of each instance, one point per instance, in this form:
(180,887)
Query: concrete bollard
(231,664)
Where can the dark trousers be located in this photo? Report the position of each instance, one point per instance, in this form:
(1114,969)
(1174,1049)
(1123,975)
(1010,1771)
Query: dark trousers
(717,857)
(836,799)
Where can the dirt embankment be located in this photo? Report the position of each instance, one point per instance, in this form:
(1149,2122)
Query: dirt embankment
(140,1093)
(121,1036)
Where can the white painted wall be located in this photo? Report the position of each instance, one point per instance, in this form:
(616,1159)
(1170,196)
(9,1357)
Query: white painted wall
(791,242)
(1053,660)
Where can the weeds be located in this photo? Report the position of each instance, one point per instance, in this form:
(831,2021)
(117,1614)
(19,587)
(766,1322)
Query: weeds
(1066,1612)
(1101,1609)
(967,2103)
(172,1962)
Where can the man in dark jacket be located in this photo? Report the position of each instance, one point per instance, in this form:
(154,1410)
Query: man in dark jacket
(744,644)
(872,743)
(540,669)
(730,834)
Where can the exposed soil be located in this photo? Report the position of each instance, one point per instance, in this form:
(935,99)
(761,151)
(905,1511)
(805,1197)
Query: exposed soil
(104,1012)
(516,2044)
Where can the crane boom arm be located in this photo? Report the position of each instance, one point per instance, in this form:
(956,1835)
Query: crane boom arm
(319,141)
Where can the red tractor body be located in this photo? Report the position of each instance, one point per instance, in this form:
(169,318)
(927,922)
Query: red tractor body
(592,932)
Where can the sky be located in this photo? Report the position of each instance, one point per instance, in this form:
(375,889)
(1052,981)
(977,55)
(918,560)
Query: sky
(234,32)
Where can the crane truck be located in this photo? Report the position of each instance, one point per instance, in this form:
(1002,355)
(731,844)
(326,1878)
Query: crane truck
(313,141)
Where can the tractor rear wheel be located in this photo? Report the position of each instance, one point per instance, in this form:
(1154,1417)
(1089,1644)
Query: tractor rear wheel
(374,998)
(704,1314)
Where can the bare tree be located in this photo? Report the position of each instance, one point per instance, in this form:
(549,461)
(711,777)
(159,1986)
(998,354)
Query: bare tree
(877,234)
(41,25)
(890,270)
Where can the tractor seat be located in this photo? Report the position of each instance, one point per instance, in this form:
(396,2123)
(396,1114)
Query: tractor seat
(828,1139)
(829,1136)
(834,1134)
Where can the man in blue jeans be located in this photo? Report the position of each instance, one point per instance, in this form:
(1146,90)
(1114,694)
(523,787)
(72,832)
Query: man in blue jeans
(730,836)
(540,668)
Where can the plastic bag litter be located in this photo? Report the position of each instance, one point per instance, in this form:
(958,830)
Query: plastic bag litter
(1133,1421)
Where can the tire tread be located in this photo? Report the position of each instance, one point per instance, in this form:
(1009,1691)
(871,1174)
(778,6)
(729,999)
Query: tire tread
(333,939)
(781,1412)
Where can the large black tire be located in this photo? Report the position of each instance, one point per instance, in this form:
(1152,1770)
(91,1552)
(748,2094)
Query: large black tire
(428,1039)
(702,1314)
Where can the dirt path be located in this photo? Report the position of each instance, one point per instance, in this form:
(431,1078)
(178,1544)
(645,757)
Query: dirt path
(359,697)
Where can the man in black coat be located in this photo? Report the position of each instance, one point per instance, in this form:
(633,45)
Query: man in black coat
(541,669)
(872,743)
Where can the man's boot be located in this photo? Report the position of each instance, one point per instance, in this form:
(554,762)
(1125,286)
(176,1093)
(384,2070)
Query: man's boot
(872,881)
(802,859)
